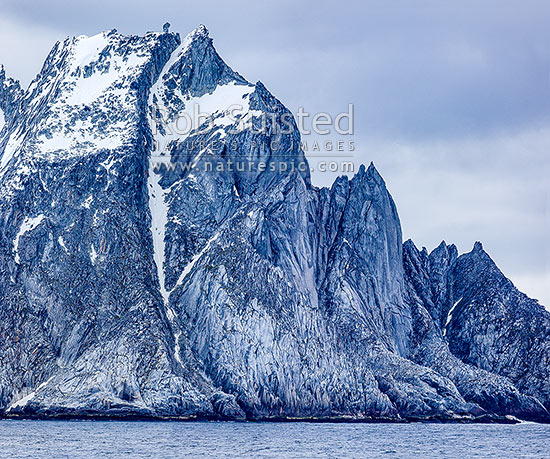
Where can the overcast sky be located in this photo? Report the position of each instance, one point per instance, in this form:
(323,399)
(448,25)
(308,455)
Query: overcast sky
(452,103)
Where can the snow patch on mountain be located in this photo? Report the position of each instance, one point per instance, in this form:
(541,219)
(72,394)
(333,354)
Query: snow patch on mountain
(61,242)
(24,400)
(450,315)
(92,82)
(93,254)
(189,267)
(14,142)
(28,224)
(159,218)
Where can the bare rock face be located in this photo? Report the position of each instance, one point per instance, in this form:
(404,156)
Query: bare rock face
(435,303)
(495,327)
(152,271)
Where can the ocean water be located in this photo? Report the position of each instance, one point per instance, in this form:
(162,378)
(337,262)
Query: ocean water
(70,439)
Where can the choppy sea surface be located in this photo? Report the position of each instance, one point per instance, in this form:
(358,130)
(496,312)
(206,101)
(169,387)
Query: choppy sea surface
(59,439)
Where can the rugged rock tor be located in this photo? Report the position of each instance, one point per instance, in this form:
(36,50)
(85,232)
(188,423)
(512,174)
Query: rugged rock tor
(137,282)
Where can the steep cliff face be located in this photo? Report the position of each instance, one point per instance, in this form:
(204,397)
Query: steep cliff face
(150,269)
(495,327)
(434,301)
(82,326)
(363,282)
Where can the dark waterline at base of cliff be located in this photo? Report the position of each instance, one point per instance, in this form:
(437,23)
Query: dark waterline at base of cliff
(38,439)
(484,419)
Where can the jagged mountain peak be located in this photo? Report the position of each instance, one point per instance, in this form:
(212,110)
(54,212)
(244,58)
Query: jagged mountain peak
(478,247)
(199,67)
(80,55)
(479,264)
(480,261)
(368,175)
(441,245)
(409,244)
(443,253)
(199,33)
